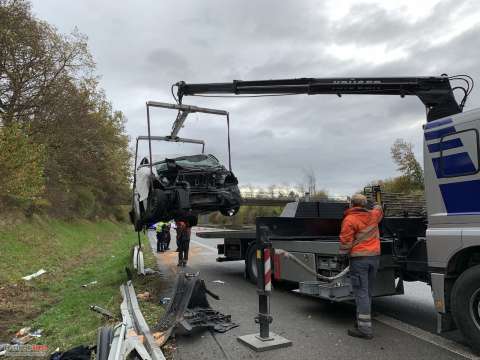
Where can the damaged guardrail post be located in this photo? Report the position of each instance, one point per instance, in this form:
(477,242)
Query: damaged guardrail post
(265,340)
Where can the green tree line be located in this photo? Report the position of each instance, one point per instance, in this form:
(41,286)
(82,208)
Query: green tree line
(63,149)
(409,181)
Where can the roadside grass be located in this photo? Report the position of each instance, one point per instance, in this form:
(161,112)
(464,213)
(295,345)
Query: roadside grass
(73,253)
(151,309)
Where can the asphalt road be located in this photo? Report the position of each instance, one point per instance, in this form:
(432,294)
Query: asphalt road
(317,328)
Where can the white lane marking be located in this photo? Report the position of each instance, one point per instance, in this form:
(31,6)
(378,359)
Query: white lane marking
(434,339)
(205,246)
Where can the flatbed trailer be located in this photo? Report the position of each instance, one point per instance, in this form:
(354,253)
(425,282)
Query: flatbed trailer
(306,247)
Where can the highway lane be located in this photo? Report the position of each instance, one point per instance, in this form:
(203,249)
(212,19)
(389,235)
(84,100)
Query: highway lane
(317,328)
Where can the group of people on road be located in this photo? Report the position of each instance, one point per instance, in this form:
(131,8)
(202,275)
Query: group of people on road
(183,231)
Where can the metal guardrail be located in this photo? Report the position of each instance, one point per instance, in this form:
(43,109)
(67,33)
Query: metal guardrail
(124,341)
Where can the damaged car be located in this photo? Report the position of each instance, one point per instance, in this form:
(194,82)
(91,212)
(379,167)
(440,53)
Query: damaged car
(182,188)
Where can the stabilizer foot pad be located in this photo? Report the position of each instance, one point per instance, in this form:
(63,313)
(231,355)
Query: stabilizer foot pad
(254,342)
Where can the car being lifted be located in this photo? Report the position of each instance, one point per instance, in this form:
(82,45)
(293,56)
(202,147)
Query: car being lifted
(183,188)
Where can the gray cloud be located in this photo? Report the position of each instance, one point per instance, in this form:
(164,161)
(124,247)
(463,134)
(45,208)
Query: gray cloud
(142,50)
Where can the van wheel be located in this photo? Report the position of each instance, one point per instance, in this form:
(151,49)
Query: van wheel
(251,264)
(466,305)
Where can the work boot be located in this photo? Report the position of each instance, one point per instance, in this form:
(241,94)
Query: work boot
(358,334)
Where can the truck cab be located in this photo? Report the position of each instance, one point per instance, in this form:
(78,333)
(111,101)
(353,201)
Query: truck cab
(452,190)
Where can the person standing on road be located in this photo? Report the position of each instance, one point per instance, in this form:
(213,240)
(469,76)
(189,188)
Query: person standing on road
(160,236)
(183,242)
(167,237)
(360,241)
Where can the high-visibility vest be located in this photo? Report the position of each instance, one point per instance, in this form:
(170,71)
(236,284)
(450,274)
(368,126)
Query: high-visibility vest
(160,225)
(360,235)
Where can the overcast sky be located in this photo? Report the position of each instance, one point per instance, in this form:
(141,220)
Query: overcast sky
(142,47)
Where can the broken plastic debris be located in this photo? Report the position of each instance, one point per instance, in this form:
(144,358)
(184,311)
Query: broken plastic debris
(25,335)
(90,283)
(144,296)
(23,331)
(165,300)
(34,275)
(149,271)
(218,282)
(37,333)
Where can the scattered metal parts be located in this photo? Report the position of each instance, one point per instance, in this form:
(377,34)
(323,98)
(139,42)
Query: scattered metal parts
(189,310)
(102,311)
(91,283)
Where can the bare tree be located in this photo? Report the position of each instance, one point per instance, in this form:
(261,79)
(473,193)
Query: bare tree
(310,180)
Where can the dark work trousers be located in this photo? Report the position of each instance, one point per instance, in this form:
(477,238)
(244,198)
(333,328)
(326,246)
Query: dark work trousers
(363,271)
(161,241)
(183,248)
(167,240)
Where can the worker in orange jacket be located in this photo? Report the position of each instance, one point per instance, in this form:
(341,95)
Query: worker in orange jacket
(360,241)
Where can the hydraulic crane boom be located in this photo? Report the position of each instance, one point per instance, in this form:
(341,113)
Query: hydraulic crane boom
(436,93)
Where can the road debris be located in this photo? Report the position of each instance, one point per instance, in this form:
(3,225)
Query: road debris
(23,331)
(218,282)
(25,335)
(189,310)
(37,333)
(91,283)
(150,271)
(102,311)
(145,296)
(165,300)
(34,275)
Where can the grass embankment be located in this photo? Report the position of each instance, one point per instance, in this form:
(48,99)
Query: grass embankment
(72,254)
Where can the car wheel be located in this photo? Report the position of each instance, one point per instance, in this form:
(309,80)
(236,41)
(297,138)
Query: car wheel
(251,264)
(104,340)
(466,305)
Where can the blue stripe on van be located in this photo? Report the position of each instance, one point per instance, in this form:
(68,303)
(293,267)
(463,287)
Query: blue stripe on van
(445,145)
(437,134)
(454,165)
(437,123)
(461,197)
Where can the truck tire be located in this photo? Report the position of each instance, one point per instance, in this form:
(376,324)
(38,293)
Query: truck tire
(465,302)
(251,264)
(104,340)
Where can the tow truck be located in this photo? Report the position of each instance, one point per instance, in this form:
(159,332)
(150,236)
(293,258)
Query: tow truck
(440,247)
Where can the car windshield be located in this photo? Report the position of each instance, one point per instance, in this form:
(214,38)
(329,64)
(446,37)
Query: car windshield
(192,161)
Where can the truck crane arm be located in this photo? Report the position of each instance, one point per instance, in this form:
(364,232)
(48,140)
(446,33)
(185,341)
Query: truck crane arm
(436,93)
